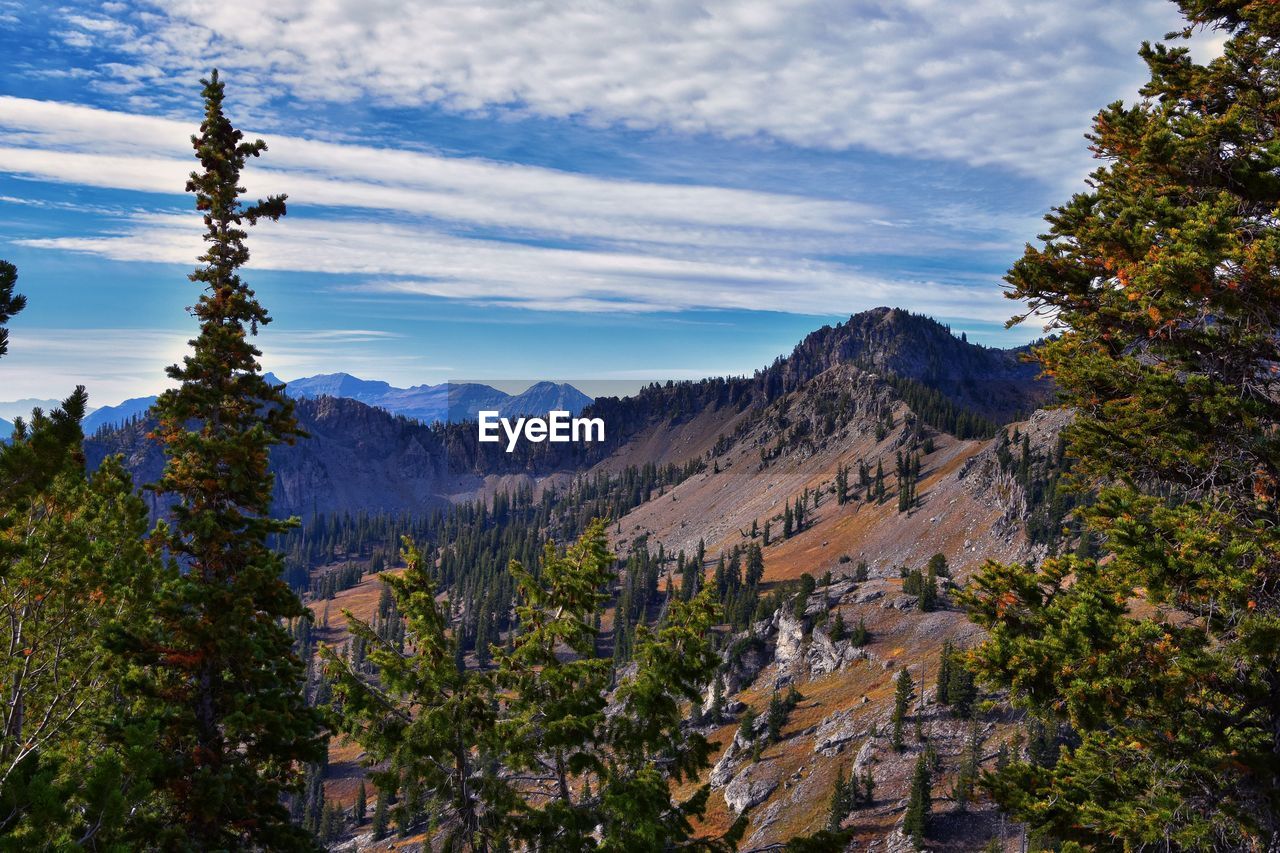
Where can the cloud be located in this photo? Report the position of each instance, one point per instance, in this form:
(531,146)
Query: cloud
(397,259)
(490,233)
(116,363)
(82,145)
(986,82)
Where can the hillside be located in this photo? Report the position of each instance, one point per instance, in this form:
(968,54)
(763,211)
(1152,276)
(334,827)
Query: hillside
(789,434)
(852,404)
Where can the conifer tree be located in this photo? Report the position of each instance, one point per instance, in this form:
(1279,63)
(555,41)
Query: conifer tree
(379,824)
(235,728)
(860,635)
(361,806)
(915,821)
(843,793)
(944,673)
(903,694)
(1162,278)
(441,744)
(10,302)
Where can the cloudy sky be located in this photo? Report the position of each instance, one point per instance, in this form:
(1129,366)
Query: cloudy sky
(582,190)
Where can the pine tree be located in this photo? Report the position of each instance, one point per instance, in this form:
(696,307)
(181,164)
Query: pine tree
(10,302)
(1162,277)
(904,693)
(776,717)
(361,806)
(868,787)
(838,629)
(755,565)
(380,821)
(236,725)
(915,821)
(440,745)
(967,779)
(842,795)
(860,636)
(944,673)
(928,601)
(75,761)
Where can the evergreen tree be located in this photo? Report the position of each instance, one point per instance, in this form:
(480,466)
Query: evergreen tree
(843,795)
(860,636)
(235,727)
(441,745)
(944,673)
(1162,278)
(380,821)
(915,821)
(361,806)
(755,566)
(903,694)
(928,601)
(801,603)
(10,302)
(838,629)
(75,759)
(966,780)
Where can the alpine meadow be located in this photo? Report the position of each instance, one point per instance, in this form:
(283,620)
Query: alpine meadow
(887,579)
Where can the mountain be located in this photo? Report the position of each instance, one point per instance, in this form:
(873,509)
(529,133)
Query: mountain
(114,416)
(339,385)
(543,397)
(11,409)
(851,398)
(6,429)
(448,401)
(997,383)
(953,386)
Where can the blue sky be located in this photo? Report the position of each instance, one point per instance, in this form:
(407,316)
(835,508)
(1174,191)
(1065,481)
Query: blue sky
(584,191)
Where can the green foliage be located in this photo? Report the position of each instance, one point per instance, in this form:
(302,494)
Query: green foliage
(915,821)
(903,694)
(801,602)
(825,841)
(523,754)
(235,727)
(10,302)
(1163,280)
(424,718)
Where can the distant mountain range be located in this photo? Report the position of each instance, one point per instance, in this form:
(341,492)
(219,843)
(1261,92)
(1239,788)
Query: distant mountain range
(361,456)
(448,402)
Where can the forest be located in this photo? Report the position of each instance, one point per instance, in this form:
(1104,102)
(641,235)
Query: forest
(538,669)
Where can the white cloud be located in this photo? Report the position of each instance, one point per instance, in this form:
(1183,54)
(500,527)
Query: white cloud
(82,145)
(988,82)
(397,259)
(639,246)
(115,364)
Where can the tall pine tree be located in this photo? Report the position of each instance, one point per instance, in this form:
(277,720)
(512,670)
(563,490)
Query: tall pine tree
(1164,281)
(234,727)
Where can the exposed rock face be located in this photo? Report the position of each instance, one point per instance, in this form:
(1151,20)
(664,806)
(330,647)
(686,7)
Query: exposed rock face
(790,641)
(835,732)
(749,788)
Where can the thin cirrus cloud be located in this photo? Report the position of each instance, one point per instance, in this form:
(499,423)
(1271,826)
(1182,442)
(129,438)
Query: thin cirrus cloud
(985,82)
(496,272)
(635,246)
(76,144)
(118,363)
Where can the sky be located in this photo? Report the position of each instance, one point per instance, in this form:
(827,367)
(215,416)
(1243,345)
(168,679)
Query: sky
(591,191)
